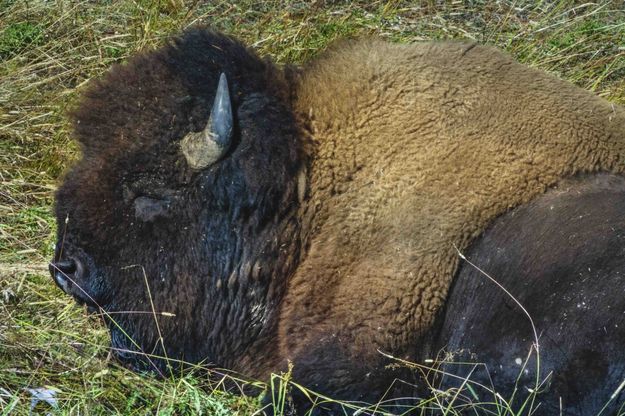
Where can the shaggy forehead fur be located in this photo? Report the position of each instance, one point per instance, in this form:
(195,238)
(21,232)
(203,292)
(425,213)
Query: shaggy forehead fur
(158,95)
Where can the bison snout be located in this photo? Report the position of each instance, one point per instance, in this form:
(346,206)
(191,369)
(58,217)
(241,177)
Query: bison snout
(62,273)
(68,275)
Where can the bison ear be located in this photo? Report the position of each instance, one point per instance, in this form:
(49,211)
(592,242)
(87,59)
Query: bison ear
(204,148)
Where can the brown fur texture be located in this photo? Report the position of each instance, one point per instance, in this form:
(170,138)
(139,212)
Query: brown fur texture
(417,148)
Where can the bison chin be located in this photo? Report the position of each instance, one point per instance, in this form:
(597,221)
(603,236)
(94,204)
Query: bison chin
(128,353)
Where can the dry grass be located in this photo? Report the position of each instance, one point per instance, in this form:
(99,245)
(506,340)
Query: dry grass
(50,50)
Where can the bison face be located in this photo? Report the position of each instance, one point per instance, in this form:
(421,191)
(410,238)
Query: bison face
(171,224)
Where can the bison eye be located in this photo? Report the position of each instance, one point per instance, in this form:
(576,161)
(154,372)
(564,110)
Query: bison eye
(149,198)
(148,209)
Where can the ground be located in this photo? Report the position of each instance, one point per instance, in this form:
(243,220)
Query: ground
(49,348)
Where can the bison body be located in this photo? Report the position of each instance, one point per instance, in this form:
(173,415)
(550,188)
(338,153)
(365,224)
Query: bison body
(310,215)
(561,257)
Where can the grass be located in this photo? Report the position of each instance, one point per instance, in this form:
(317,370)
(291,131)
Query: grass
(50,50)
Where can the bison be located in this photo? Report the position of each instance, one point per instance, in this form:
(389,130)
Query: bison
(314,215)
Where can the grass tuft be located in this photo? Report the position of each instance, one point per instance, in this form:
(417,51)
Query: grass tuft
(19,36)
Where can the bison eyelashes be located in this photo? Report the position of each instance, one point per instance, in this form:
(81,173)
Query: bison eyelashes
(204,148)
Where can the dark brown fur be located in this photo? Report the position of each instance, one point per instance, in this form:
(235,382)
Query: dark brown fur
(562,256)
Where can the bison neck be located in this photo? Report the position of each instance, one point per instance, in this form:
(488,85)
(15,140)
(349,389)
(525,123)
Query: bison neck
(417,149)
(250,298)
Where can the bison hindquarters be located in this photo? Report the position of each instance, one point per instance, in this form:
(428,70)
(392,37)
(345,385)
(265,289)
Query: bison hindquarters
(563,258)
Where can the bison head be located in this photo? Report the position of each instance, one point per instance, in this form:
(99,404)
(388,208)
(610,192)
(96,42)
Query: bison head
(174,222)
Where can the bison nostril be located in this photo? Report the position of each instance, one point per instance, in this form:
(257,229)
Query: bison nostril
(64,272)
(66,266)
(70,275)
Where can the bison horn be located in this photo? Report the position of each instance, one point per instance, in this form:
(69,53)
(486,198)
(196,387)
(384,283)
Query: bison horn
(202,149)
